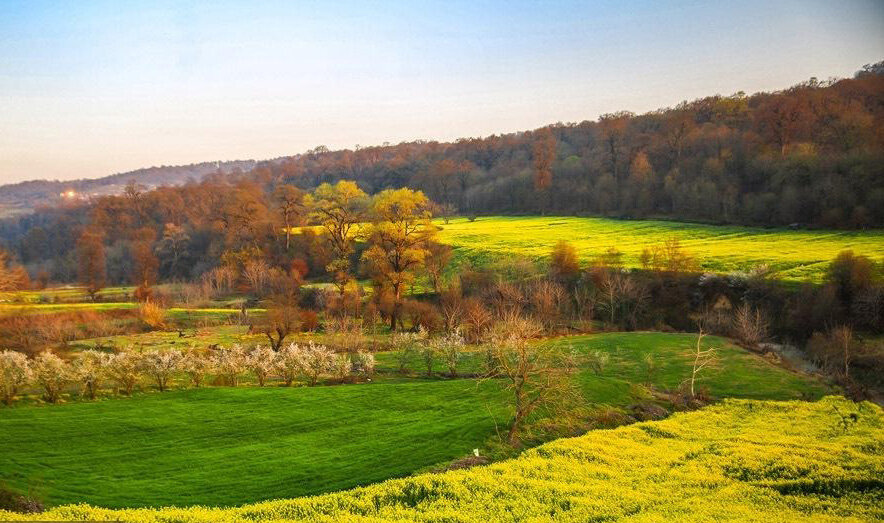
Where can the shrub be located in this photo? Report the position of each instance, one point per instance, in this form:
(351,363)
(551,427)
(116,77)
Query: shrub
(450,348)
(342,366)
(15,372)
(160,365)
(363,364)
(196,365)
(230,363)
(750,325)
(123,369)
(408,345)
(52,374)
(563,263)
(309,320)
(288,363)
(14,501)
(315,361)
(423,315)
(152,315)
(89,368)
(262,362)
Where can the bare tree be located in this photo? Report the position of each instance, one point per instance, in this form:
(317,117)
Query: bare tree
(842,340)
(702,359)
(256,272)
(535,376)
(750,325)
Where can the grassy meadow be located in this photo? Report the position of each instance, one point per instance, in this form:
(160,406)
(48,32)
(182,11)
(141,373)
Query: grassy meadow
(228,446)
(742,460)
(794,255)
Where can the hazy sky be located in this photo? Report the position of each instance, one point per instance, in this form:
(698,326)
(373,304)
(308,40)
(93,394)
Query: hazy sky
(92,88)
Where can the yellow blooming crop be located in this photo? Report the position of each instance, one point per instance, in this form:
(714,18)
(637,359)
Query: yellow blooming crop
(741,460)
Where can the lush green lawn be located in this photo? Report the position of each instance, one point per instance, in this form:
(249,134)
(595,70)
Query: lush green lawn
(735,372)
(792,255)
(223,446)
(743,460)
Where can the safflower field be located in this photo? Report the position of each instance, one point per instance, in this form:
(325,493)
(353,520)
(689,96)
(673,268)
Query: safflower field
(741,460)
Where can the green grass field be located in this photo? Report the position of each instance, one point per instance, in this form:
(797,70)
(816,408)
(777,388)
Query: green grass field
(791,255)
(743,460)
(227,446)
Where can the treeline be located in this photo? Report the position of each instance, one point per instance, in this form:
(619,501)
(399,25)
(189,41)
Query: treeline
(811,155)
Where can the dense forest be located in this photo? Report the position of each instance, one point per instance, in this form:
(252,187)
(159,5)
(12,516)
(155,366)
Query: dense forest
(811,156)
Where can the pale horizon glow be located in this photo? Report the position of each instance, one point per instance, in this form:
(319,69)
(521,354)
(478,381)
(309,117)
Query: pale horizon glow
(92,89)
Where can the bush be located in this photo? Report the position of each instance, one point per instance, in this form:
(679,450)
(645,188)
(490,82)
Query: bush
(408,344)
(423,315)
(288,363)
(196,365)
(315,361)
(341,367)
(160,365)
(152,315)
(363,364)
(89,368)
(230,364)
(13,501)
(450,348)
(52,374)
(123,369)
(15,372)
(262,362)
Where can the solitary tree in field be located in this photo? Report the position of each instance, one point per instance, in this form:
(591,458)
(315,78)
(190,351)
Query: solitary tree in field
(400,238)
(702,359)
(92,263)
(338,209)
(282,319)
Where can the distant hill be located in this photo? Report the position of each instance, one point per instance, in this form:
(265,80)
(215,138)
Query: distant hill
(24,197)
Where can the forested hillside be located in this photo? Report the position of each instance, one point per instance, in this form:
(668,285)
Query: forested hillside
(812,154)
(28,195)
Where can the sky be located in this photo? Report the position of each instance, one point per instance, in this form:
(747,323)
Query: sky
(89,89)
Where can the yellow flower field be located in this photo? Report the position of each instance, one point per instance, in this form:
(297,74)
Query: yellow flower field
(792,255)
(740,460)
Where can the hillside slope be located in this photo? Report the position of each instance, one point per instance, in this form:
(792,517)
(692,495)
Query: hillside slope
(23,197)
(740,460)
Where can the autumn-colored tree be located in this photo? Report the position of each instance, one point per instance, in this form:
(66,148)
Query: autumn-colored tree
(11,278)
(144,262)
(400,237)
(91,259)
(564,263)
(436,261)
(544,154)
(289,202)
(173,248)
(338,209)
(281,319)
